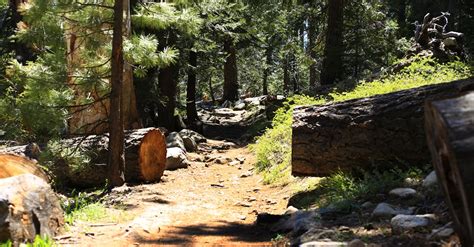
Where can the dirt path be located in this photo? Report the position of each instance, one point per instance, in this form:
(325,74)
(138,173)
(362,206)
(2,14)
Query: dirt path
(206,204)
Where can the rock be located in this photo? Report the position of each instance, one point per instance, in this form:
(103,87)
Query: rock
(174,140)
(402,223)
(385,210)
(356,243)
(176,158)
(234,163)
(403,192)
(198,138)
(431,180)
(367,205)
(246,174)
(298,222)
(189,144)
(450,42)
(291,210)
(28,207)
(226,104)
(221,161)
(442,233)
(244,204)
(323,244)
(239,106)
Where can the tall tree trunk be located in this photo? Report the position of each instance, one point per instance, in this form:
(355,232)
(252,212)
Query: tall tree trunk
(116,141)
(129,104)
(286,76)
(334,49)
(266,72)
(402,18)
(211,90)
(191,111)
(231,85)
(313,80)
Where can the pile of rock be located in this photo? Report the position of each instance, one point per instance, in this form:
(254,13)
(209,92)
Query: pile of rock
(404,212)
(177,146)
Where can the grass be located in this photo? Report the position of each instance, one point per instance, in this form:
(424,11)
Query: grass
(343,190)
(38,242)
(273,148)
(98,212)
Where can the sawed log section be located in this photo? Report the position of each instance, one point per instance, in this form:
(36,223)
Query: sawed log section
(360,133)
(450,135)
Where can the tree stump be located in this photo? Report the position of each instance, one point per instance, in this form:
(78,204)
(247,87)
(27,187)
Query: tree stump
(145,158)
(13,165)
(450,135)
(28,207)
(382,130)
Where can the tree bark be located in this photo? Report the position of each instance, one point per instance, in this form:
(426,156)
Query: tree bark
(231,85)
(380,131)
(286,76)
(334,48)
(313,73)
(131,117)
(144,154)
(116,160)
(450,134)
(268,64)
(28,207)
(191,111)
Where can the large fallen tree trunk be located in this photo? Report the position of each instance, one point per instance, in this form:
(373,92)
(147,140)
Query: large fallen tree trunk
(28,207)
(380,130)
(450,135)
(13,165)
(145,158)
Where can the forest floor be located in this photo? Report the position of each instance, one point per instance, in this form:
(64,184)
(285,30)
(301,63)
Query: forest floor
(205,204)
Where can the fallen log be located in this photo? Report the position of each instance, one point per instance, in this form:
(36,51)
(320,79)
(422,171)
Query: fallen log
(450,135)
(360,133)
(28,207)
(145,158)
(13,165)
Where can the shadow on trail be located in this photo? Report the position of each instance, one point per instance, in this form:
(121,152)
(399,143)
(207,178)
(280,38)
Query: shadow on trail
(224,232)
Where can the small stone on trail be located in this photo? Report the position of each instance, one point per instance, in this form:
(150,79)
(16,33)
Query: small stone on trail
(221,161)
(323,244)
(271,202)
(246,174)
(242,217)
(440,233)
(252,199)
(234,163)
(243,204)
(217,185)
(401,223)
(403,192)
(385,210)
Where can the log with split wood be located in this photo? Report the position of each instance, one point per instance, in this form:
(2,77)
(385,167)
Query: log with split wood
(145,157)
(383,131)
(450,135)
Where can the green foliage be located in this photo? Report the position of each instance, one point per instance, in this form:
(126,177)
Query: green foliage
(40,241)
(34,102)
(58,155)
(273,148)
(341,189)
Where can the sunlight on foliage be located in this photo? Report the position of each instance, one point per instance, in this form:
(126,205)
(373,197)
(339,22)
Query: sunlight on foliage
(40,241)
(273,148)
(98,212)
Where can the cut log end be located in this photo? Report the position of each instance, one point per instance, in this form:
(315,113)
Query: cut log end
(152,156)
(13,165)
(449,128)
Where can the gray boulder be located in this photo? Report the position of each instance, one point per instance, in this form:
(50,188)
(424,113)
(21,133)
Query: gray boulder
(189,144)
(198,138)
(431,180)
(174,140)
(176,158)
(402,223)
(385,210)
(403,192)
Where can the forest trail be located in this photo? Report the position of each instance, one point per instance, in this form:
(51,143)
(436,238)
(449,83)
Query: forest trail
(206,204)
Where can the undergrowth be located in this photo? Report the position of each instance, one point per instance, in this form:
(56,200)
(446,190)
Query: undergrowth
(273,148)
(40,241)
